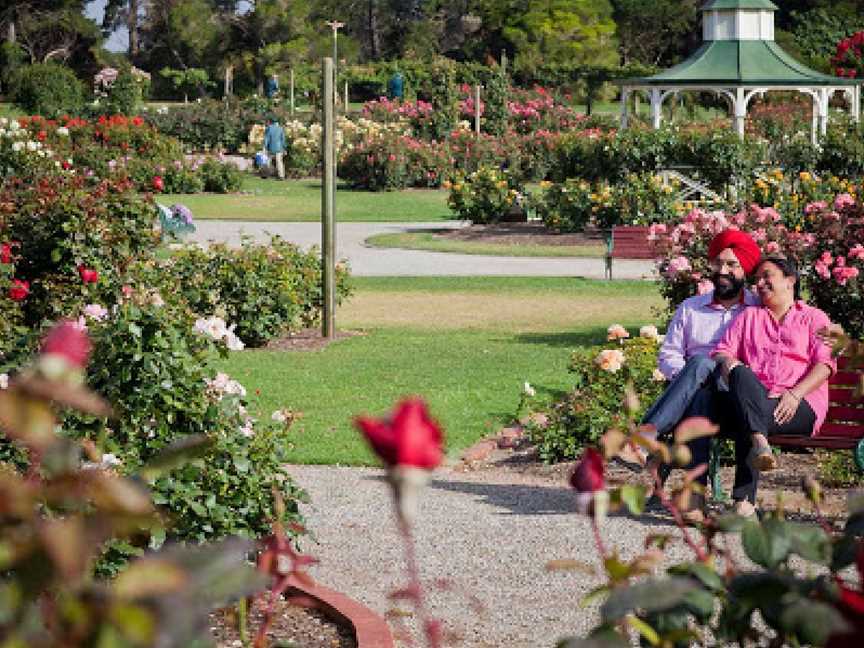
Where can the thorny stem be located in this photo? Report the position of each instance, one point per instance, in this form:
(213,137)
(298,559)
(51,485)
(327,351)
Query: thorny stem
(415,586)
(667,502)
(598,539)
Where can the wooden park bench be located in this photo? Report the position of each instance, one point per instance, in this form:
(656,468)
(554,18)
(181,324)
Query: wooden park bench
(627,242)
(843,428)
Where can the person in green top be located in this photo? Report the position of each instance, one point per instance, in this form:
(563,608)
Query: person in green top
(274,144)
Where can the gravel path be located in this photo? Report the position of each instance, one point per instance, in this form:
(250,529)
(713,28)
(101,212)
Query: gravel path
(370,261)
(489,531)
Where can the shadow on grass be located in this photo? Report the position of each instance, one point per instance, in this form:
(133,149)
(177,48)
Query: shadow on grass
(566,339)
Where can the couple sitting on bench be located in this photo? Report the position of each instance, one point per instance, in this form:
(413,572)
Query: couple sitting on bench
(756,365)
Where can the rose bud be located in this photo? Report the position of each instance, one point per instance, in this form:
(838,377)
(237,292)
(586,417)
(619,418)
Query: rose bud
(88,275)
(409,443)
(158,183)
(5,253)
(588,478)
(19,290)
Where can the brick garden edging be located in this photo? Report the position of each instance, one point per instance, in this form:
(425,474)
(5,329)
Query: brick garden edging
(370,629)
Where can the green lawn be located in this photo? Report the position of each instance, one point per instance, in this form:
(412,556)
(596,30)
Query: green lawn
(466,344)
(429,241)
(300,200)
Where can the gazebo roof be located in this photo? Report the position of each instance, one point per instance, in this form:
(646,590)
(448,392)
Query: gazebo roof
(740,63)
(721,5)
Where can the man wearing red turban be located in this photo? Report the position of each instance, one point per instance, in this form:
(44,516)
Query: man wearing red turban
(696,327)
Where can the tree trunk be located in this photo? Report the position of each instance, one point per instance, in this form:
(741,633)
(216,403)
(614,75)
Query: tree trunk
(132,24)
(10,35)
(374,36)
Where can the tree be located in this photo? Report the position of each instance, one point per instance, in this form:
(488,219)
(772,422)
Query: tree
(817,32)
(53,30)
(656,32)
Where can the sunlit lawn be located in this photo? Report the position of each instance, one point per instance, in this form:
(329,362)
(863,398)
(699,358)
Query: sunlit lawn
(465,344)
(300,200)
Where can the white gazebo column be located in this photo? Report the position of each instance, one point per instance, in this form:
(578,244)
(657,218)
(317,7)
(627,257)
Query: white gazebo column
(656,97)
(824,95)
(625,93)
(856,103)
(740,110)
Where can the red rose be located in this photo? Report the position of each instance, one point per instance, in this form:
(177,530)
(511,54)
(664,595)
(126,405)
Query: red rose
(410,437)
(137,121)
(88,275)
(158,184)
(589,475)
(67,340)
(5,253)
(41,135)
(19,290)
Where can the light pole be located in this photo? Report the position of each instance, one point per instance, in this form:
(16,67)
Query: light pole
(334,25)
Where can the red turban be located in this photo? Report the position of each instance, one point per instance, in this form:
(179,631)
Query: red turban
(741,244)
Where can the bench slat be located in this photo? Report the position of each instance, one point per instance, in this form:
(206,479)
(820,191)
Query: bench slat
(838,413)
(845,378)
(841,395)
(831,442)
(844,430)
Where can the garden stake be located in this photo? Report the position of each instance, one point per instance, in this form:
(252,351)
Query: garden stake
(328,203)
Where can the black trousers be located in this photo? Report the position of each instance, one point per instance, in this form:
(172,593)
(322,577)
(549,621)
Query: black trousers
(741,412)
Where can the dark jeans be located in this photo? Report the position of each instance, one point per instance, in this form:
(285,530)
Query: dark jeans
(679,401)
(752,412)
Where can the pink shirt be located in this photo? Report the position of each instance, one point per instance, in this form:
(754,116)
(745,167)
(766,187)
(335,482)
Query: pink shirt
(781,353)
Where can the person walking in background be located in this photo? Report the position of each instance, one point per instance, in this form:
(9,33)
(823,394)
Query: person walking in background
(274,144)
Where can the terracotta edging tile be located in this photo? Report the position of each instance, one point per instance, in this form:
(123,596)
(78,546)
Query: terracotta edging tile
(370,629)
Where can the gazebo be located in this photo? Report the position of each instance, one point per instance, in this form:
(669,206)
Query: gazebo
(738,60)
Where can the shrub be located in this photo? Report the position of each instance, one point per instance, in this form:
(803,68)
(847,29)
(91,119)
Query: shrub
(48,89)
(126,94)
(265,290)
(485,196)
(65,512)
(220,177)
(565,206)
(594,404)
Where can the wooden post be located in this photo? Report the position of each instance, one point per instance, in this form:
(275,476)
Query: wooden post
(477,109)
(291,92)
(346,97)
(328,203)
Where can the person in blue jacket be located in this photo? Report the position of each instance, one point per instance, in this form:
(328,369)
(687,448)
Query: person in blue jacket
(274,144)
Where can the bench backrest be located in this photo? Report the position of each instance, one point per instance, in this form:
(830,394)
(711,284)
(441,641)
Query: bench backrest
(845,417)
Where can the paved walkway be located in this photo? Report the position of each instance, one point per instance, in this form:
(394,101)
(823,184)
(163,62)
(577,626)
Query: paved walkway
(489,533)
(370,261)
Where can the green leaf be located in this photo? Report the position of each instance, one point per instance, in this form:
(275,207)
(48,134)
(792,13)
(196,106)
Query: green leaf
(634,498)
(703,573)
(177,454)
(767,544)
(650,596)
(810,542)
(730,523)
(811,621)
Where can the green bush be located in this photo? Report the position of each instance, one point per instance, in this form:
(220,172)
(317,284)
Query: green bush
(594,404)
(262,290)
(48,89)
(565,206)
(220,177)
(153,365)
(485,196)
(126,94)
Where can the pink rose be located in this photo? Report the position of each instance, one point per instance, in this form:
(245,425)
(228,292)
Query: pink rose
(814,207)
(772,248)
(704,287)
(843,201)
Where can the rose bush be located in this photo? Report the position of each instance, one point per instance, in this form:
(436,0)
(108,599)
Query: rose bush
(485,196)
(599,374)
(263,290)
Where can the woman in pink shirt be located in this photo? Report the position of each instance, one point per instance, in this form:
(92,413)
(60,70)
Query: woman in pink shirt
(777,368)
